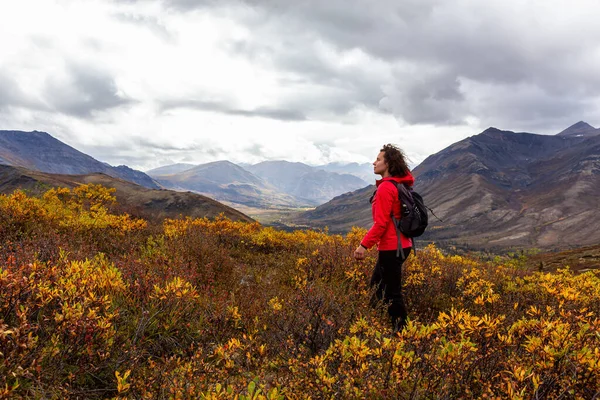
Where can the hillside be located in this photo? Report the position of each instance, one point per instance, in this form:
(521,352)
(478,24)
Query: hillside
(39,151)
(581,259)
(580,129)
(225,181)
(137,200)
(499,189)
(98,305)
(339,214)
(170,169)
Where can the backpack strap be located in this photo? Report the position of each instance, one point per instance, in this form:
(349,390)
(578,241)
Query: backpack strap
(395,222)
(399,246)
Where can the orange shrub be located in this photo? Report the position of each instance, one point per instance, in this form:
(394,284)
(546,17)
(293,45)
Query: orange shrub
(95,304)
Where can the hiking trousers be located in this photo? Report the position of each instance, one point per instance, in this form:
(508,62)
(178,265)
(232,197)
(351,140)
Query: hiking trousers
(387,279)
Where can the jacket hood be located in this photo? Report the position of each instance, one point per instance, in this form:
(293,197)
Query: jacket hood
(407,179)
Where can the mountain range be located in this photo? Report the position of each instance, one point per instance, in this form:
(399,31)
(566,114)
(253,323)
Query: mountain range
(363,171)
(269,184)
(38,151)
(36,161)
(226,181)
(499,189)
(314,185)
(300,186)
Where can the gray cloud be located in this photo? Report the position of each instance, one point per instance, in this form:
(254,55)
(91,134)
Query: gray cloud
(318,88)
(153,24)
(513,64)
(273,113)
(150,144)
(10,92)
(223,107)
(315,86)
(84,91)
(188,5)
(427,99)
(325,148)
(12,95)
(157,152)
(510,44)
(179,5)
(529,108)
(489,51)
(256,150)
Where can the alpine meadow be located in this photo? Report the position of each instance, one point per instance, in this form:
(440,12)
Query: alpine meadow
(95,303)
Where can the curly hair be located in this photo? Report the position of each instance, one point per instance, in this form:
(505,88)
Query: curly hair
(395,159)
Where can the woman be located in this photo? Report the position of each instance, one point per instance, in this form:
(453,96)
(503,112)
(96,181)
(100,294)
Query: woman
(387,275)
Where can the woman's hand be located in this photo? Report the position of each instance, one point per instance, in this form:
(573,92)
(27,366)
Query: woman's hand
(359,253)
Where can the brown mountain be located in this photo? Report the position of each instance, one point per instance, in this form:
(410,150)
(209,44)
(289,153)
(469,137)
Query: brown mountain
(499,189)
(39,151)
(136,200)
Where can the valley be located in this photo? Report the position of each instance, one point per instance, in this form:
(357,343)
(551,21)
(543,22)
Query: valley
(493,191)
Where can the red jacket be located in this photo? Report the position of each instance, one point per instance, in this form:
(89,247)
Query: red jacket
(383,231)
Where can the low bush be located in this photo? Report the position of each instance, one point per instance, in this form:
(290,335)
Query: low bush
(99,305)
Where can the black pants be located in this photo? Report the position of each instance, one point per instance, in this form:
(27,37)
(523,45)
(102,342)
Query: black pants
(387,278)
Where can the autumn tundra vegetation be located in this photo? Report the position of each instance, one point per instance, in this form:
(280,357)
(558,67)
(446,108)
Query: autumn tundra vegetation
(95,303)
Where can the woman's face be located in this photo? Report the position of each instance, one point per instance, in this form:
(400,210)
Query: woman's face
(380,167)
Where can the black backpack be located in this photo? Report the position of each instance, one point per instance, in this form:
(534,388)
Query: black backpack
(414,214)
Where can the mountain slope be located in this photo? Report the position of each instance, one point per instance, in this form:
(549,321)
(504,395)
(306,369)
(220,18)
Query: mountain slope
(136,200)
(225,181)
(500,189)
(40,151)
(170,169)
(528,190)
(580,129)
(339,214)
(363,171)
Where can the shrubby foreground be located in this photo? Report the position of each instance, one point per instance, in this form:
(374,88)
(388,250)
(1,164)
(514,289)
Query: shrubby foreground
(95,304)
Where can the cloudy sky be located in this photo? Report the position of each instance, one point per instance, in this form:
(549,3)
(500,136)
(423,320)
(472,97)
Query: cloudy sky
(154,82)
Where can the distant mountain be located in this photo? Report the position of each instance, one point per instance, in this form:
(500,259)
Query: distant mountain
(41,152)
(499,189)
(580,129)
(134,199)
(170,169)
(302,181)
(280,172)
(225,181)
(363,171)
